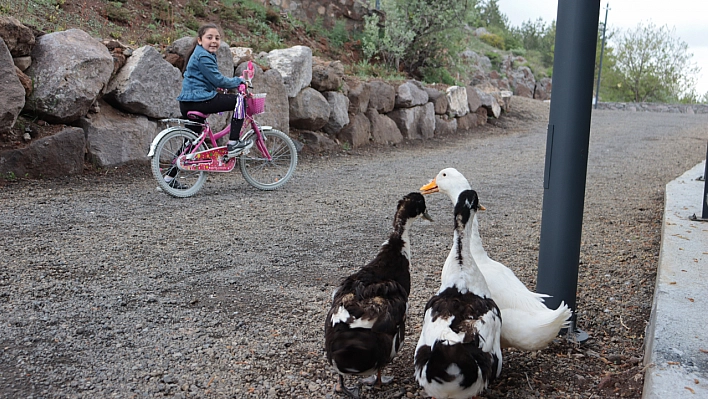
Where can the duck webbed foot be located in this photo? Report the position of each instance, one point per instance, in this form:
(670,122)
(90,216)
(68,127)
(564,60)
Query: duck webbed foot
(352,392)
(377,380)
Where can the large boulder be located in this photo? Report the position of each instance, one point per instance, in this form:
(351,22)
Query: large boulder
(18,37)
(445,126)
(294,65)
(114,138)
(327,75)
(523,82)
(457,100)
(383,128)
(490,103)
(473,99)
(410,94)
(359,94)
(439,100)
(338,117)
(69,70)
(146,85)
(357,132)
(60,154)
(382,96)
(542,91)
(12,94)
(277,108)
(309,110)
(415,123)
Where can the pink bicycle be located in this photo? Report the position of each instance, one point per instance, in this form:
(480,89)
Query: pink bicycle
(181,158)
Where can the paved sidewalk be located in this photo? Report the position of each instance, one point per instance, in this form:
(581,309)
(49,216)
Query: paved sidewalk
(676,355)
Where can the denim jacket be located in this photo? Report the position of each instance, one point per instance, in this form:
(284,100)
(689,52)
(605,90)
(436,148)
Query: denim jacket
(202,77)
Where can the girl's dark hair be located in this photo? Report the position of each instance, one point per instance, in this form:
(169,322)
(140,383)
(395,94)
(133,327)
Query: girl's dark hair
(202,30)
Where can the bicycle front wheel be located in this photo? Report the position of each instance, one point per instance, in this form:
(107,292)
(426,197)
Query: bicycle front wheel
(183,183)
(269,175)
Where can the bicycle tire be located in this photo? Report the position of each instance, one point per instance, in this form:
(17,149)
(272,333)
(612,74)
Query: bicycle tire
(166,150)
(269,175)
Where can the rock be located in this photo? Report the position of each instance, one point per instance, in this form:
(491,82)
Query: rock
(410,94)
(114,138)
(327,76)
(22,62)
(338,117)
(473,99)
(357,132)
(457,100)
(523,82)
(61,154)
(359,94)
(467,123)
(316,142)
(382,96)
(18,38)
(542,90)
(415,123)
(439,100)
(294,65)
(69,70)
(12,92)
(309,110)
(146,85)
(383,128)
(240,55)
(277,108)
(445,126)
(490,103)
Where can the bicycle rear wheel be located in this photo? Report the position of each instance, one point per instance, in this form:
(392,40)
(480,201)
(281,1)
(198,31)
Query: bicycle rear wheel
(184,183)
(269,175)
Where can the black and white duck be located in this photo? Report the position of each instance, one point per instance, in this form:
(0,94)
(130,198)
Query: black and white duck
(528,324)
(459,350)
(365,326)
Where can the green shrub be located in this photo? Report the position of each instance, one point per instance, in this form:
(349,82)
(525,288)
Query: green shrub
(338,35)
(493,40)
(196,8)
(437,75)
(116,13)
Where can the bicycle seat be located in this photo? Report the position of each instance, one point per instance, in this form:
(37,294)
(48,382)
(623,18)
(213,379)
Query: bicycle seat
(196,115)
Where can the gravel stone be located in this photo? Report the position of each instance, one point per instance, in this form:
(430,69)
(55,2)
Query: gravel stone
(110,288)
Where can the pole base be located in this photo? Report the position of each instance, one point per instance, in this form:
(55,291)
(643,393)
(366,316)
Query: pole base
(574,334)
(697,219)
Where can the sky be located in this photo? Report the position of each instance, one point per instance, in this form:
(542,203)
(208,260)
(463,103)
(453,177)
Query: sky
(688,17)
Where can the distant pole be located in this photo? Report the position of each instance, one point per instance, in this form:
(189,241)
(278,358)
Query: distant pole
(378,4)
(704,213)
(567,154)
(602,51)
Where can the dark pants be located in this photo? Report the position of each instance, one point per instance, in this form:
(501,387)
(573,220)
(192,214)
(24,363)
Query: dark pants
(220,103)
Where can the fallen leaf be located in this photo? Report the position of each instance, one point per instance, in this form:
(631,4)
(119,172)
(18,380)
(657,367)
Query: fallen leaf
(691,299)
(673,363)
(703,350)
(672,283)
(692,391)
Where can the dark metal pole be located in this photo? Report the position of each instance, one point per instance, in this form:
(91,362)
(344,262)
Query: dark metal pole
(602,51)
(705,190)
(567,151)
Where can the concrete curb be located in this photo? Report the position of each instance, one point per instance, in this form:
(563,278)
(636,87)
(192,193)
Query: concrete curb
(676,353)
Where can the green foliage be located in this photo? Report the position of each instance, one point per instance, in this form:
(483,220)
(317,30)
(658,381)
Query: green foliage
(417,33)
(364,69)
(338,35)
(490,16)
(196,8)
(437,75)
(116,13)
(493,40)
(495,58)
(650,64)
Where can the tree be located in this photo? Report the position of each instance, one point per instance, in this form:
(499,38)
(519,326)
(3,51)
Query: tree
(417,34)
(653,65)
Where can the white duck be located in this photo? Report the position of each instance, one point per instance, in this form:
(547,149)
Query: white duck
(365,326)
(459,350)
(528,324)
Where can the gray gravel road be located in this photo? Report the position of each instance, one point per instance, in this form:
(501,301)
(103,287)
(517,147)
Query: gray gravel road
(110,288)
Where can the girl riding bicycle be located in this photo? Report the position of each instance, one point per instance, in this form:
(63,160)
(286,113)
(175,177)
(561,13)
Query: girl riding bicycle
(201,80)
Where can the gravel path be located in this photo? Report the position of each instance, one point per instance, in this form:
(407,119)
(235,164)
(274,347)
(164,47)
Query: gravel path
(110,288)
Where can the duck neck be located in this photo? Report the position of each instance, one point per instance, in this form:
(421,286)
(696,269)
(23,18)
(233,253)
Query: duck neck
(475,241)
(401,232)
(460,269)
